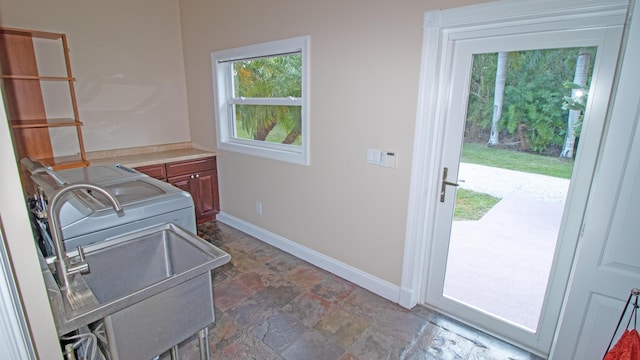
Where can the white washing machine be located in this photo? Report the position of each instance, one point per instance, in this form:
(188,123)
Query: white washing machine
(87,217)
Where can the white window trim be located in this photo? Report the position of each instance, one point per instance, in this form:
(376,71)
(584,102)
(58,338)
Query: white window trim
(220,61)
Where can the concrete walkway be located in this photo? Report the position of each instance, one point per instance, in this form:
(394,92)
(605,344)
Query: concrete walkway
(501,263)
(505,183)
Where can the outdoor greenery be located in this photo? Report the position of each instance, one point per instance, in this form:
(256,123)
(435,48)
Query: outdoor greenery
(528,99)
(482,154)
(576,103)
(269,78)
(276,135)
(471,205)
(533,117)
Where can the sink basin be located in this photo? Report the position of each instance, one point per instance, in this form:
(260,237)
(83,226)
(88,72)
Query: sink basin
(150,289)
(136,262)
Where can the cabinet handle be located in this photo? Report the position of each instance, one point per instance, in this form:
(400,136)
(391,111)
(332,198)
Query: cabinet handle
(197,175)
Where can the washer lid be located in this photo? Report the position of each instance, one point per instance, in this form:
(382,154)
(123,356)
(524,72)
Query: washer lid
(48,182)
(130,192)
(99,174)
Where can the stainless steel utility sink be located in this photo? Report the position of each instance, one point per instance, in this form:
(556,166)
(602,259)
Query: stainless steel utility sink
(151,289)
(141,261)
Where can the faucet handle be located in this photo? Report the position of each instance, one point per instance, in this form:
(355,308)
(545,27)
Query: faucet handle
(81,253)
(82,266)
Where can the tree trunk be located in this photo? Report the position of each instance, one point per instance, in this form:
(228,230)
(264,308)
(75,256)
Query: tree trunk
(263,130)
(498,97)
(522,134)
(291,136)
(580,78)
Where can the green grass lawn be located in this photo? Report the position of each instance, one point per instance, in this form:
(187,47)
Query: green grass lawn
(471,205)
(481,154)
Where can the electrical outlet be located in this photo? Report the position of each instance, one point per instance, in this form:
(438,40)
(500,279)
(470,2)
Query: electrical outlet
(258,207)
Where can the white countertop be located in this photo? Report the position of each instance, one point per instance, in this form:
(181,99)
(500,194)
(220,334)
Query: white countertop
(139,157)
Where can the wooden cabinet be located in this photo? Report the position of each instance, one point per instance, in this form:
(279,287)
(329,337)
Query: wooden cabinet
(40,97)
(157,171)
(198,177)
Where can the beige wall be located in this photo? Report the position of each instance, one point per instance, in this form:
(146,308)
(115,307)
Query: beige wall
(365,58)
(127,58)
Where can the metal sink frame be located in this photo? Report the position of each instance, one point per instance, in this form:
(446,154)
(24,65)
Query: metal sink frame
(151,288)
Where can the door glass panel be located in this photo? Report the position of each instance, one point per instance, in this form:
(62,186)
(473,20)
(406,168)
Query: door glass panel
(523,125)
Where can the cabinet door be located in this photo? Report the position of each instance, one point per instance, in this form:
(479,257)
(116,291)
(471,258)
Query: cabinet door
(190,166)
(202,184)
(183,183)
(155,171)
(208,203)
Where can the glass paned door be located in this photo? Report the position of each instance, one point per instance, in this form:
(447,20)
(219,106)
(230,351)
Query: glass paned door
(521,128)
(516,173)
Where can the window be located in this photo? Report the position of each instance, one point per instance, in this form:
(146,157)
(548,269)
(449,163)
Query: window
(261,94)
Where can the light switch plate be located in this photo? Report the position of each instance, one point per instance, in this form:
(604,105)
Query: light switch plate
(374,156)
(382,158)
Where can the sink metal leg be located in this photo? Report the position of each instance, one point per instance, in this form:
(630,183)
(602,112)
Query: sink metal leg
(203,342)
(174,353)
(203,336)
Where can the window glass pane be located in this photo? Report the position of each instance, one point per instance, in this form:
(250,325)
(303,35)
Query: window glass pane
(275,124)
(276,76)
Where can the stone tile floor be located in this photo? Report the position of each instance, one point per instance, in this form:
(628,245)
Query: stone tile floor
(272,305)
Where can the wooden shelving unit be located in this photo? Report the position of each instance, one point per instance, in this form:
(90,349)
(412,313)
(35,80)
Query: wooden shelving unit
(22,86)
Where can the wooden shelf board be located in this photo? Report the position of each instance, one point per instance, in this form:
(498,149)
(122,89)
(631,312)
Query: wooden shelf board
(42,123)
(33,33)
(25,109)
(36,77)
(65,162)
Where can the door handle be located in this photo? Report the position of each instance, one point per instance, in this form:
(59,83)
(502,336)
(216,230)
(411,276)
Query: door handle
(443,188)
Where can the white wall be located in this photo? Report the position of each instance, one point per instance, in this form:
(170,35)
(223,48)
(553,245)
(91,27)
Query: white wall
(127,58)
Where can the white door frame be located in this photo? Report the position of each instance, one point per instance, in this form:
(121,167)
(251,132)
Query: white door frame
(15,341)
(440,27)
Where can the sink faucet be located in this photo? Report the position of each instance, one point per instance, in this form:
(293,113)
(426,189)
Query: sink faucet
(63,265)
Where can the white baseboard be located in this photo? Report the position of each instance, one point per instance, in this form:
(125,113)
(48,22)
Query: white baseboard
(365,280)
(408,298)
